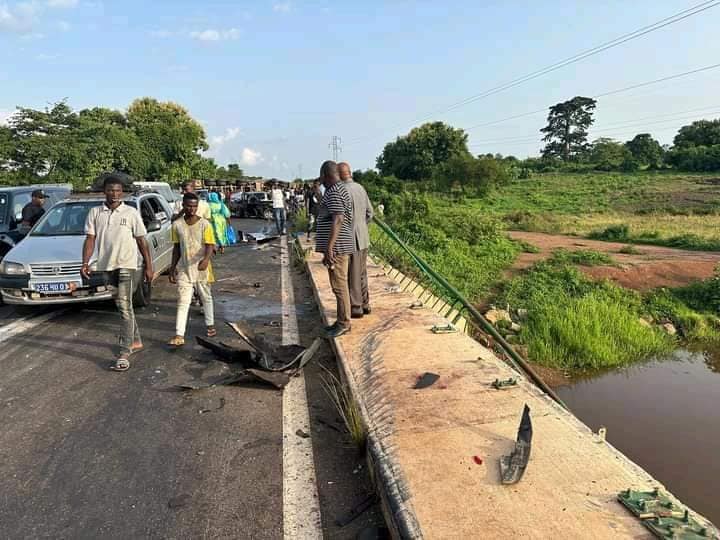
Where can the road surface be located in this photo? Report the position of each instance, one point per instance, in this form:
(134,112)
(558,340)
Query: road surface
(90,453)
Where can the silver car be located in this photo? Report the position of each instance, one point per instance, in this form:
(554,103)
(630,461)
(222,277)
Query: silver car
(44,268)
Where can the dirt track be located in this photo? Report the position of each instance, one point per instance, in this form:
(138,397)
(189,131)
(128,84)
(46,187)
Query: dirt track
(653,267)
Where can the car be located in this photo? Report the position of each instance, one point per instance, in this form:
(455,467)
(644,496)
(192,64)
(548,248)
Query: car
(45,267)
(12,202)
(163,188)
(252,204)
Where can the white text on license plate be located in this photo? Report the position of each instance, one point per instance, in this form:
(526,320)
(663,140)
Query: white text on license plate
(59,287)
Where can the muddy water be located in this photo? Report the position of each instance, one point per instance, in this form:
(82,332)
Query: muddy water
(665,416)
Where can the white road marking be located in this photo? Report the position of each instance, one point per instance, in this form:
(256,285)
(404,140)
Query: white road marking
(301,504)
(26,323)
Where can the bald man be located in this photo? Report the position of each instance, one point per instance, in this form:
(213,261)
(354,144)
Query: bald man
(357,271)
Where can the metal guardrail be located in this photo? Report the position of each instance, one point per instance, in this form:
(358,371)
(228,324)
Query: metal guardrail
(386,245)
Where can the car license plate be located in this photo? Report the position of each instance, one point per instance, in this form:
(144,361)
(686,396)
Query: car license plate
(57,287)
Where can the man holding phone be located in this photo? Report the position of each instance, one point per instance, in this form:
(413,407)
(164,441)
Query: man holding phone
(118,232)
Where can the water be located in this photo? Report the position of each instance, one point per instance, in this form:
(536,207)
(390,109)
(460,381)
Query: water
(665,416)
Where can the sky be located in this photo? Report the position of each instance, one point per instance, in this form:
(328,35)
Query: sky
(273,81)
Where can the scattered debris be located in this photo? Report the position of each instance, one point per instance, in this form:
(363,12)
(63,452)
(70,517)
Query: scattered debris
(257,284)
(496,315)
(477,460)
(601,434)
(447,329)
(301,433)
(512,466)
(276,379)
(357,510)
(669,329)
(425,380)
(179,501)
(226,352)
(522,314)
(664,518)
(273,324)
(220,406)
(416,305)
(392,289)
(498,384)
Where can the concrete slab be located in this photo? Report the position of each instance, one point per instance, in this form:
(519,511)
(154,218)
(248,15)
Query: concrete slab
(432,435)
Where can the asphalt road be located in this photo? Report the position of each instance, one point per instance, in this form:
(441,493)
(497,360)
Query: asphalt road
(89,453)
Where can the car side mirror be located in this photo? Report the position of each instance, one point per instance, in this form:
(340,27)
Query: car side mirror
(154,226)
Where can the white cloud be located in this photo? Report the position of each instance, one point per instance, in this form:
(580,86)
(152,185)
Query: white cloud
(215,35)
(19,18)
(282,7)
(63,25)
(229,135)
(250,157)
(62,3)
(46,57)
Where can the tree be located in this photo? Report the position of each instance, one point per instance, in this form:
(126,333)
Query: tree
(414,156)
(465,173)
(646,150)
(567,129)
(700,133)
(608,155)
(231,172)
(172,138)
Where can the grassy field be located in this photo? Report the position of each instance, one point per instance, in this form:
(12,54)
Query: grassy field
(678,210)
(574,322)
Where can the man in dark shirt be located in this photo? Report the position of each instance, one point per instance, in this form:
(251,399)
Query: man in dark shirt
(336,241)
(34,209)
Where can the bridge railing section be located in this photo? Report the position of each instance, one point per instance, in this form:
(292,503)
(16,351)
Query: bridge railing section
(416,276)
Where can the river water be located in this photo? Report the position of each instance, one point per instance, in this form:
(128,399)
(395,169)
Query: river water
(665,416)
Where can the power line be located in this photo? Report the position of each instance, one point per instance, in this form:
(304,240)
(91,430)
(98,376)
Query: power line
(611,92)
(694,10)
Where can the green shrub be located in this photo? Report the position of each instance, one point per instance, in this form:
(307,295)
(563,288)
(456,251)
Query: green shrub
(582,257)
(613,233)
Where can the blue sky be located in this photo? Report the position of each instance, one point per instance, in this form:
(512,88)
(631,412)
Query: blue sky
(272,81)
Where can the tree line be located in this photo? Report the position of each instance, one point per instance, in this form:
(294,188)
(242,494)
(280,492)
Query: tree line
(437,153)
(152,140)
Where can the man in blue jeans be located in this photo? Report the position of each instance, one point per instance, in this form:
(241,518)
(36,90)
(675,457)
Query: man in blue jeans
(118,232)
(278,205)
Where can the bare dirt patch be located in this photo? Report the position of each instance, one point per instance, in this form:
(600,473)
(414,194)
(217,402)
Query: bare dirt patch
(651,267)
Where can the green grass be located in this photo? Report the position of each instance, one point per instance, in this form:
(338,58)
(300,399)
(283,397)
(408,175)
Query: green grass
(579,324)
(581,257)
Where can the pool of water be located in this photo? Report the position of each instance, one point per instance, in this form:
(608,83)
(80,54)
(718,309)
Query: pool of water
(665,416)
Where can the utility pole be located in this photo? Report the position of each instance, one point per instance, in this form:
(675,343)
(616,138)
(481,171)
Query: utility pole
(336,146)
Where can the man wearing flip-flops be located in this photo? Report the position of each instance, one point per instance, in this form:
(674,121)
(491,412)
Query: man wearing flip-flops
(118,232)
(194,243)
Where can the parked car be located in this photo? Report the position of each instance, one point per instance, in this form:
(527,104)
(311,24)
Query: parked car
(163,188)
(45,267)
(12,202)
(252,204)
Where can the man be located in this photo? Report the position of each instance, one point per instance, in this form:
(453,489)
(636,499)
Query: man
(312,204)
(33,210)
(194,243)
(335,240)
(278,206)
(118,232)
(357,272)
(203,208)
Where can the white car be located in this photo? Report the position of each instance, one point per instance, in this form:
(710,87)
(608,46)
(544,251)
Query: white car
(44,268)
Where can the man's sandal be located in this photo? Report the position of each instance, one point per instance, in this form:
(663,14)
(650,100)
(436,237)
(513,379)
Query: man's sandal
(211,332)
(121,364)
(177,341)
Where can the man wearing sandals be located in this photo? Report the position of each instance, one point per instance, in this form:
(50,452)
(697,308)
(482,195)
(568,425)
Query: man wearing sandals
(118,232)
(194,243)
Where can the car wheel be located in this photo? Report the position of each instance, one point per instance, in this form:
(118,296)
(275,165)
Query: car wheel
(143,294)
(267,214)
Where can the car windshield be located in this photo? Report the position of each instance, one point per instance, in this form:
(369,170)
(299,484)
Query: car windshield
(3,206)
(66,219)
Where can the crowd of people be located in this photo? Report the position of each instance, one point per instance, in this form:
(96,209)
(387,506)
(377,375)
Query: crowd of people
(340,211)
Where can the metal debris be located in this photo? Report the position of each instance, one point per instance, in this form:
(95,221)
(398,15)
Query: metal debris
(512,466)
(504,384)
(425,380)
(447,329)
